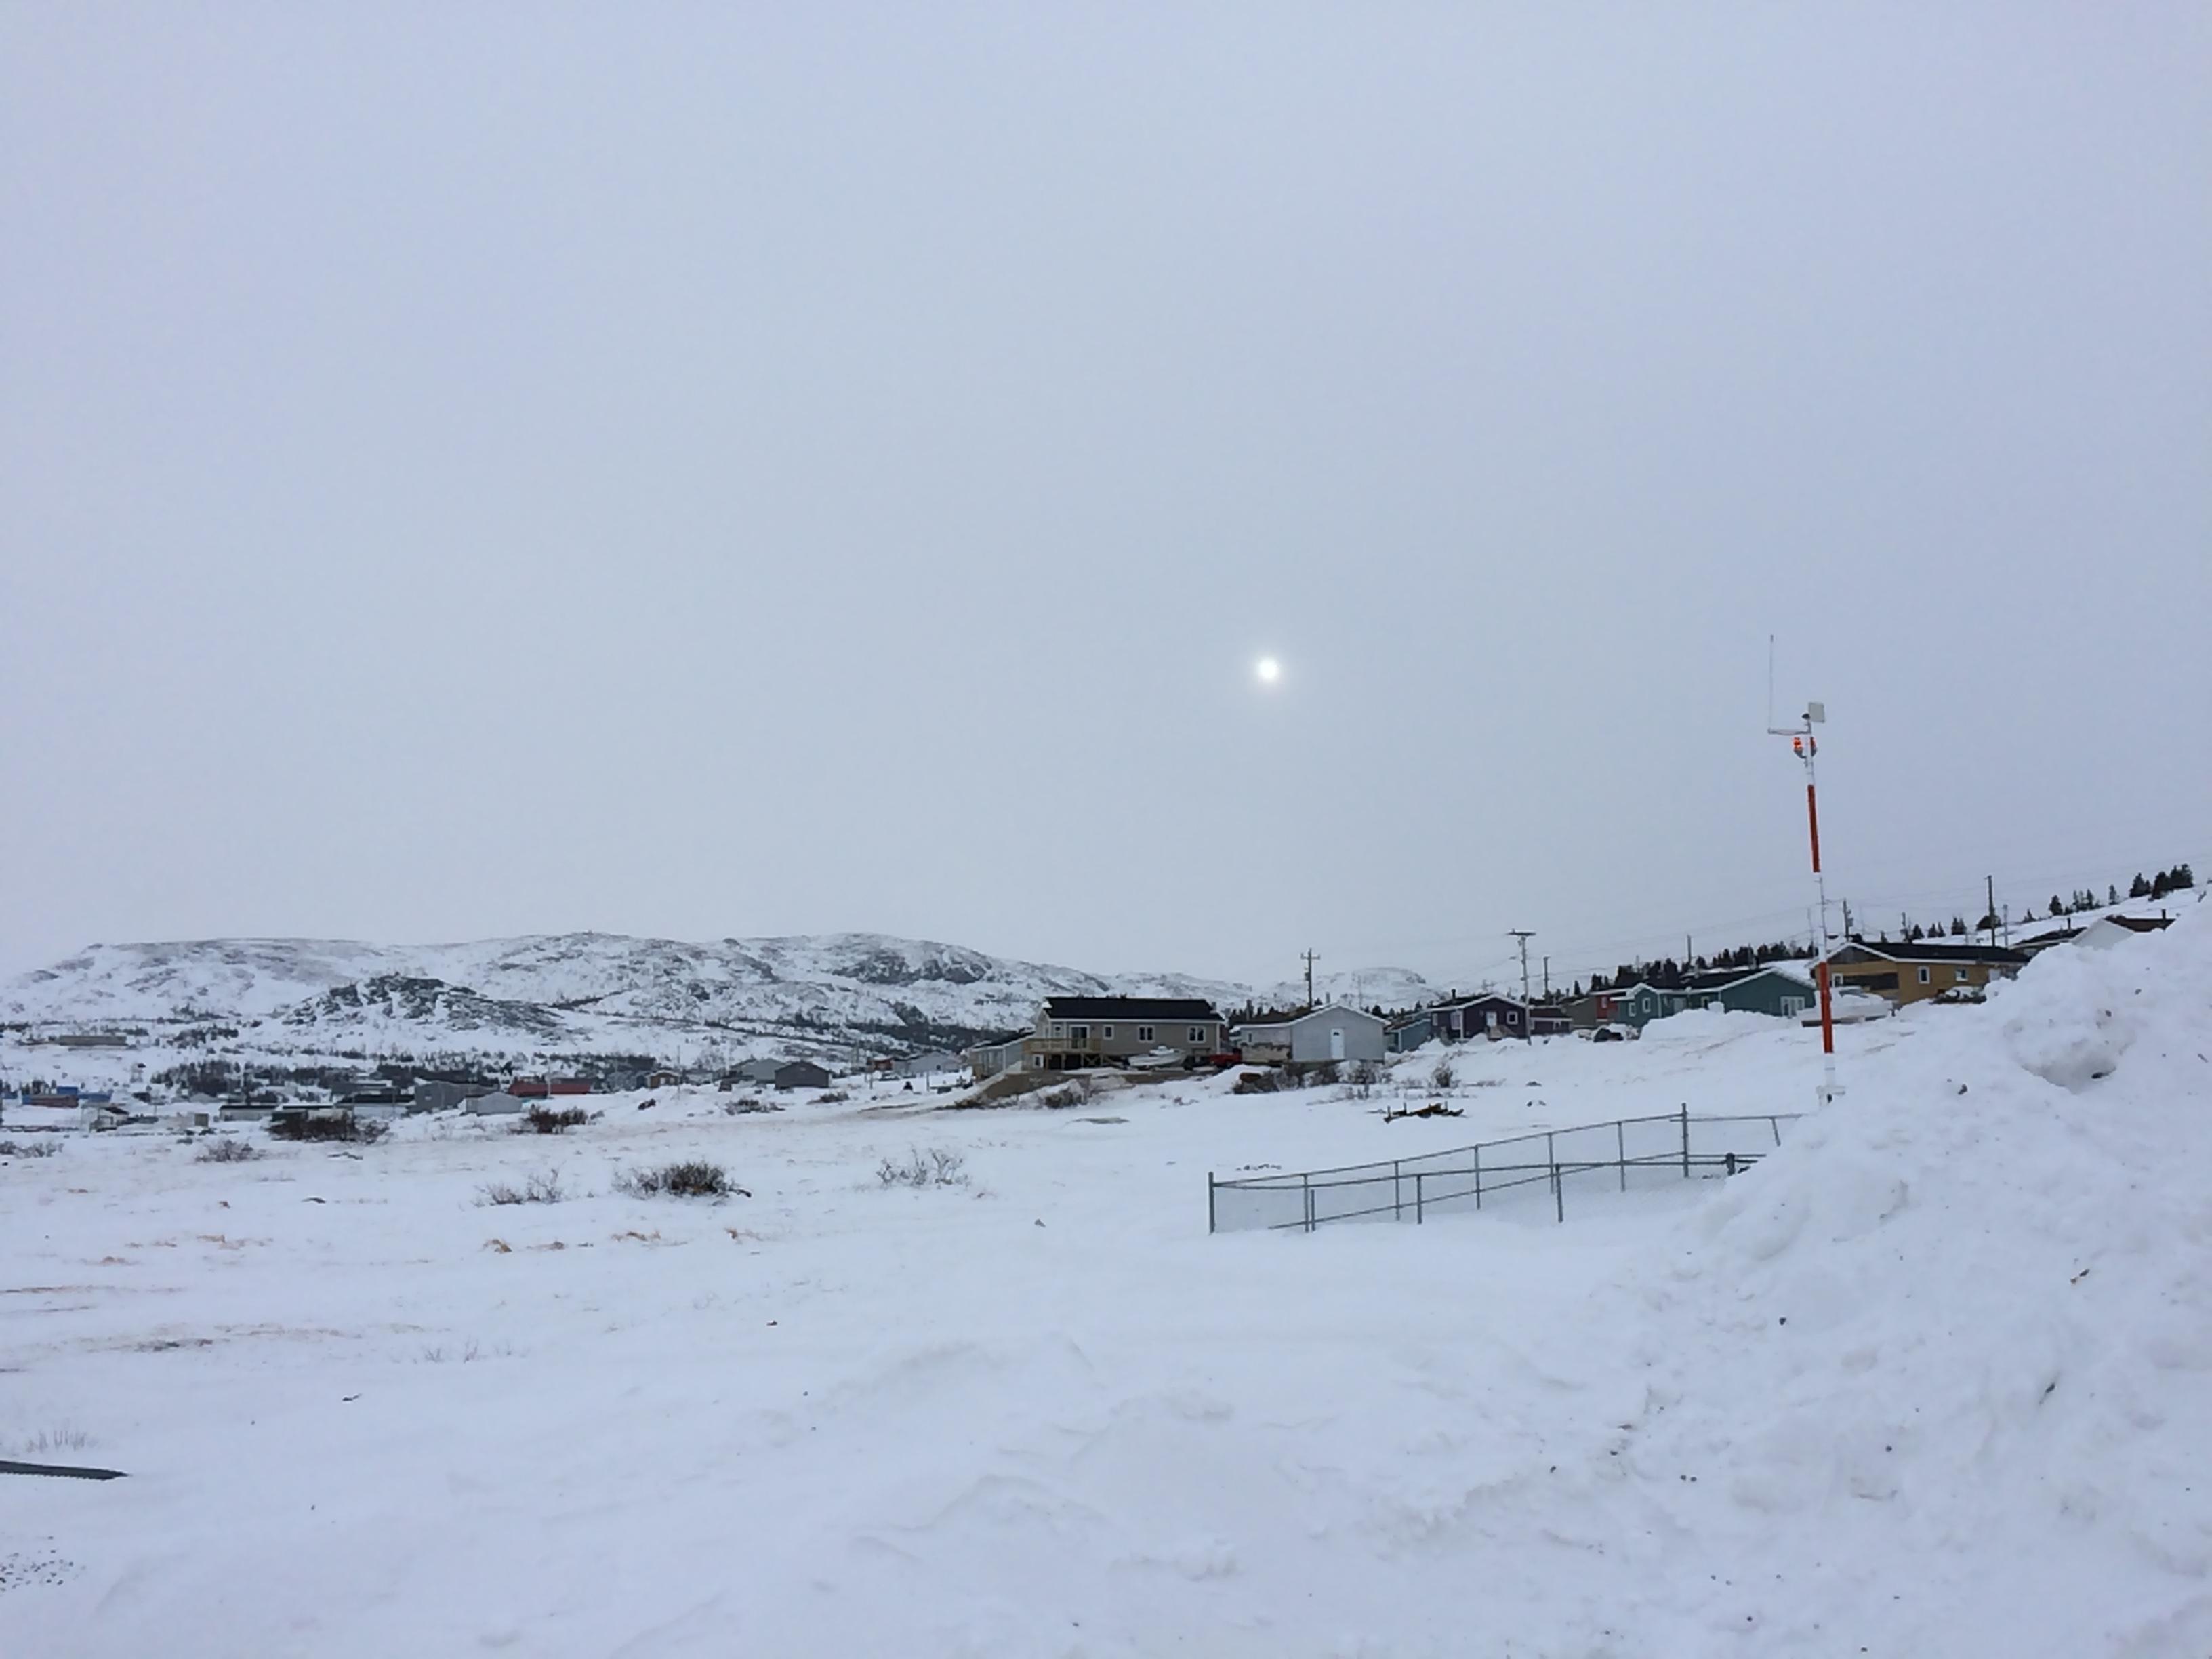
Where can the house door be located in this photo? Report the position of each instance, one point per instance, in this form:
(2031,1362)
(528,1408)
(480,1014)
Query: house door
(1336,1045)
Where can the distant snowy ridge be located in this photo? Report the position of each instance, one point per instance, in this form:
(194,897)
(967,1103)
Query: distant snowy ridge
(583,993)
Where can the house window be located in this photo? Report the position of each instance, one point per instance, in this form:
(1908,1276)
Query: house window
(1080,1033)
(1792,1005)
(1107,1033)
(1957,976)
(1059,1028)
(1923,976)
(1144,1033)
(1197,1034)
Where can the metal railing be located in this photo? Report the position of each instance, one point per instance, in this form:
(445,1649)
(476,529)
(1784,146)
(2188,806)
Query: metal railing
(1628,1154)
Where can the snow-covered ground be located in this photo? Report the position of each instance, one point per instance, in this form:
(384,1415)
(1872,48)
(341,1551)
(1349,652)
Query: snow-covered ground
(1936,1379)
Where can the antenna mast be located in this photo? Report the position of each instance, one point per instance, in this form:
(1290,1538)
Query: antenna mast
(1803,744)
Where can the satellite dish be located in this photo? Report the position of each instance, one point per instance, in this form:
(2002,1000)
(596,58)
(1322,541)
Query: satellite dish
(1816,714)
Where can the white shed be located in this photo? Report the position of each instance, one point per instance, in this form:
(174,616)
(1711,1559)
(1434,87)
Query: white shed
(1333,1033)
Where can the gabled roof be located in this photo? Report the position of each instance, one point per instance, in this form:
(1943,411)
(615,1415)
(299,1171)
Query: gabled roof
(1166,1008)
(1723,979)
(1936,950)
(1478,999)
(1267,1022)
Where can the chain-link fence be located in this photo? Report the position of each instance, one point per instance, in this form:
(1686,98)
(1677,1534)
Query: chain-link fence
(1522,1175)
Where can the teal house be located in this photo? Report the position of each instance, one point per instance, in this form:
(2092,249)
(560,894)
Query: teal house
(1779,987)
(1639,1003)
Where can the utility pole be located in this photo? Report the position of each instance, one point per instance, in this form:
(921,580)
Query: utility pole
(1990,907)
(1847,918)
(1310,962)
(1802,745)
(1548,978)
(1522,935)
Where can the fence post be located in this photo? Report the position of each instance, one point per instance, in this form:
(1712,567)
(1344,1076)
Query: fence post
(1620,1145)
(1774,1128)
(1306,1181)
(1558,1197)
(1477,1177)
(1420,1203)
(1398,1192)
(1209,1200)
(1686,1140)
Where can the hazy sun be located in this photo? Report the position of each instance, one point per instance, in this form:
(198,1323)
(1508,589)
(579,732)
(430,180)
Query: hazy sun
(1268,670)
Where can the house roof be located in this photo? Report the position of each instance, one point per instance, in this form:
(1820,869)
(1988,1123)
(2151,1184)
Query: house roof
(1285,1021)
(1720,979)
(2139,924)
(1168,1008)
(1936,950)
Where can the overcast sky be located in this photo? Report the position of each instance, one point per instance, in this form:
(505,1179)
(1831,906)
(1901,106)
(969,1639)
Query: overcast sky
(705,471)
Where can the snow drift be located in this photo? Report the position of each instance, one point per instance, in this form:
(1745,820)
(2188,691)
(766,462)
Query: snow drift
(1941,1370)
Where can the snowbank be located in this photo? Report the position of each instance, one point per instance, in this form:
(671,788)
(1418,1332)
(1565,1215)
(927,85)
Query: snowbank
(1941,1371)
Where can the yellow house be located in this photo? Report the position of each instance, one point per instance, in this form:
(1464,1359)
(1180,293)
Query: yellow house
(1915,970)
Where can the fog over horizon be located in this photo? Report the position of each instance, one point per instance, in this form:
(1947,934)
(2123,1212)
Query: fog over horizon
(700,475)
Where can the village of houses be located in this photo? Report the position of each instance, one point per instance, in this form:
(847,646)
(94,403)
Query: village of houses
(1870,978)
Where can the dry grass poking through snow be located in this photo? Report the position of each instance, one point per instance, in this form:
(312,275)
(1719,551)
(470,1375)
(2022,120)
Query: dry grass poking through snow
(940,1166)
(544,1188)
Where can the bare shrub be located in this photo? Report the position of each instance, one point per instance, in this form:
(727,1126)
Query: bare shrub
(468,1354)
(1361,1075)
(1325,1072)
(1262,1083)
(544,1188)
(748,1104)
(63,1438)
(831,1097)
(327,1126)
(940,1166)
(551,1121)
(1443,1076)
(693,1178)
(227,1151)
(29,1148)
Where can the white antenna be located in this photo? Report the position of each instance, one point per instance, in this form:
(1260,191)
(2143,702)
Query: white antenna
(1769,682)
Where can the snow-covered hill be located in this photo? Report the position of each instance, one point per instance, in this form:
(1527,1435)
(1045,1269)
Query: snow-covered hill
(564,994)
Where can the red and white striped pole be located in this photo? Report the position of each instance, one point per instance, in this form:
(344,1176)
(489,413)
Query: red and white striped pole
(1804,746)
